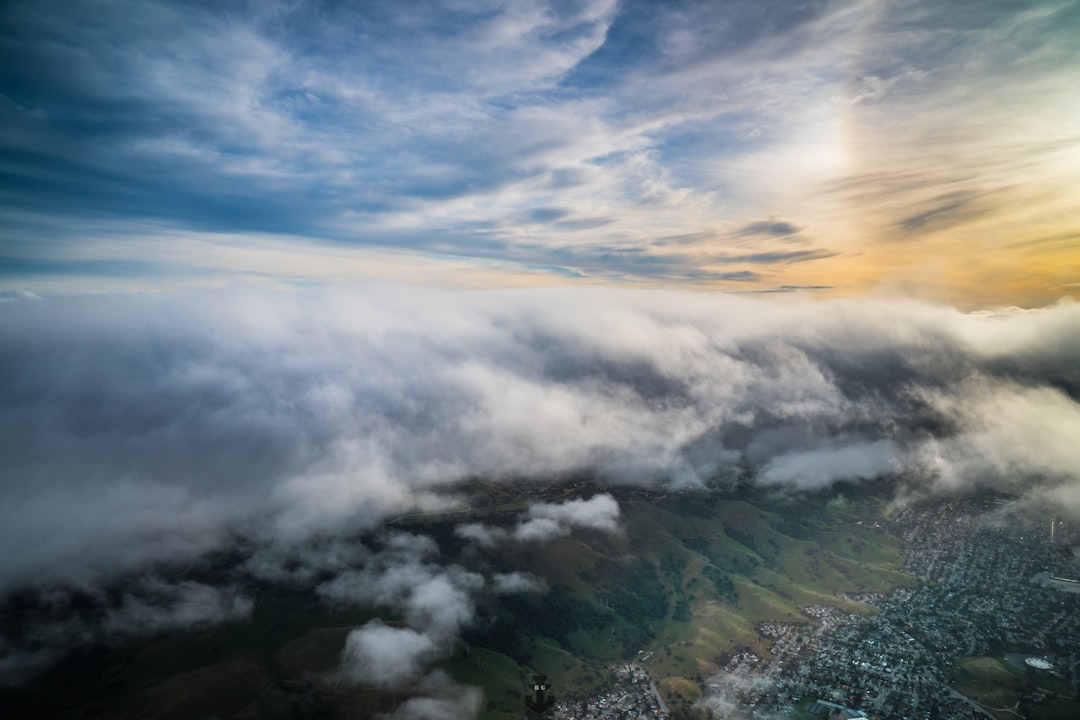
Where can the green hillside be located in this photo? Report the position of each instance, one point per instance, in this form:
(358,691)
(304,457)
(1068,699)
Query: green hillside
(681,586)
(685,583)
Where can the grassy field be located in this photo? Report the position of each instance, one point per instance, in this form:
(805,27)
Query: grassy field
(989,681)
(995,683)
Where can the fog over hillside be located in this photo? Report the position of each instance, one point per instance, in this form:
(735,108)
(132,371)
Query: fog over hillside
(140,431)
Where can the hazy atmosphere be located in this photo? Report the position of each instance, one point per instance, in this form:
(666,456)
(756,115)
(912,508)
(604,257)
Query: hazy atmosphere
(279,278)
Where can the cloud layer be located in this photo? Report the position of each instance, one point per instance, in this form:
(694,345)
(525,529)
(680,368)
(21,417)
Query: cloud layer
(134,433)
(546,521)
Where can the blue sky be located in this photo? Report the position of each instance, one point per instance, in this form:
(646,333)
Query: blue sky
(844,146)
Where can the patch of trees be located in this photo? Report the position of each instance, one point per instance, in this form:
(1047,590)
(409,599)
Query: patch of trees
(556,614)
(634,590)
(699,545)
(725,588)
(673,567)
(634,638)
(741,537)
(689,505)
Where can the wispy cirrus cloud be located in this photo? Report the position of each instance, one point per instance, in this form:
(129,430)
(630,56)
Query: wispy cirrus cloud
(502,133)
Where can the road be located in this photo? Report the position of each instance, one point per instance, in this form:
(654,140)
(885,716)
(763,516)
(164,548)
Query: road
(663,705)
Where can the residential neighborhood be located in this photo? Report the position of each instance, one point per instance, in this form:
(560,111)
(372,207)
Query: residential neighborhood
(984,592)
(991,582)
(631,694)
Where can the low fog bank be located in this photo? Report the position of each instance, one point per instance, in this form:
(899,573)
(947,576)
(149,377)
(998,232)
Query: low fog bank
(140,430)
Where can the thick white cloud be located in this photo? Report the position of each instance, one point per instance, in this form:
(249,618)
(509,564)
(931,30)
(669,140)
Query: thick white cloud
(821,467)
(1015,437)
(546,521)
(439,698)
(377,654)
(600,512)
(139,431)
(540,530)
(435,602)
(481,534)
(516,582)
(433,598)
(550,520)
(404,578)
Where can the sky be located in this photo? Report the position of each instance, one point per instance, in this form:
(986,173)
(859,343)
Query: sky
(273,274)
(839,147)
